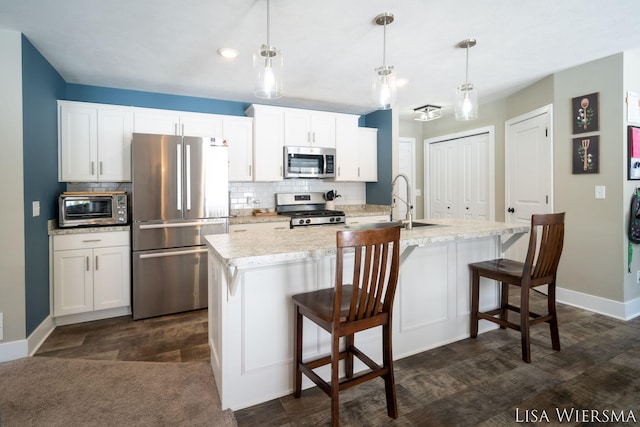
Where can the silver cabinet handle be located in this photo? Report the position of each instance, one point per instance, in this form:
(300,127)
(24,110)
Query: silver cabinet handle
(101,169)
(87,267)
(91,240)
(96,262)
(92,167)
(250,171)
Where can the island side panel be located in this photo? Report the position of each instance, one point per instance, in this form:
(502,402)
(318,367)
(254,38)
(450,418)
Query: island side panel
(255,330)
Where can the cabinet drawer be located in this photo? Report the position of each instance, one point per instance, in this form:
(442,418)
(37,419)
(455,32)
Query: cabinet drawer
(90,240)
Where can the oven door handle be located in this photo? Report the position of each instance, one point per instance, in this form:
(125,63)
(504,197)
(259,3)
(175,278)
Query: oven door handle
(324,164)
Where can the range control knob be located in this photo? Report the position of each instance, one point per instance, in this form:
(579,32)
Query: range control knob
(338,219)
(332,219)
(308,221)
(301,221)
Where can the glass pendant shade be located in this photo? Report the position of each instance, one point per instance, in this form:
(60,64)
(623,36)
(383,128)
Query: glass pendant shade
(268,64)
(384,89)
(466,102)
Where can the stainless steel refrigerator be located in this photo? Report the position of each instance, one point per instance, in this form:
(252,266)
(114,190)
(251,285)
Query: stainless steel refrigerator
(180,193)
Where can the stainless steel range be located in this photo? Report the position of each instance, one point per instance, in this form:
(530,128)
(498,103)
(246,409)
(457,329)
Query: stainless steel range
(306,209)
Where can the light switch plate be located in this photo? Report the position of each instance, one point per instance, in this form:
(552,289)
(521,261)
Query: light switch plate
(600,191)
(35,205)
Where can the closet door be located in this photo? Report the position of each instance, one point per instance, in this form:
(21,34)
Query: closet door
(443,184)
(473,174)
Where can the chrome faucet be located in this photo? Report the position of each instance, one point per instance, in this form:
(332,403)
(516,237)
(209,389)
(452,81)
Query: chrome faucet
(409,217)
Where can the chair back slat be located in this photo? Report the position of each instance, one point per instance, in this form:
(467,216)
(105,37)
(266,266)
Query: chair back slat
(375,272)
(543,255)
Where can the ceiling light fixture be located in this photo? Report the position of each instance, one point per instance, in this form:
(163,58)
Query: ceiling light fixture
(427,112)
(466,94)
(384,89)
(228,53)
(268,64)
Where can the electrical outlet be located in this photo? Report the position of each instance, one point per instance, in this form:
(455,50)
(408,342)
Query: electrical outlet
(600,191)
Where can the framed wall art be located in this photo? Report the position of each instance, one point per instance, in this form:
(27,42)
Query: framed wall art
(585,113)
(585,152)
(633,152)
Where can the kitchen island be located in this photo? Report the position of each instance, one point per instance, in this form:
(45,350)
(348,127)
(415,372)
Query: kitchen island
(253,275)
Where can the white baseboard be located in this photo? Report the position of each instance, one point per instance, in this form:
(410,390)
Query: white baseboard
(23,348)
(41,333)
(619,310)
(13,350)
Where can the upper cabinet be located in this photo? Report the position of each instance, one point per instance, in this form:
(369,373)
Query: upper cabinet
(356,151)
(94,142)
(309,128)
(268,142)
(238,131)
(368,154)
(167,122)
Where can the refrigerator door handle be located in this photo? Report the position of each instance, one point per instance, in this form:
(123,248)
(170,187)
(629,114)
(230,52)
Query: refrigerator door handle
(173,253)
(179,176)
(178,224)
(188,175)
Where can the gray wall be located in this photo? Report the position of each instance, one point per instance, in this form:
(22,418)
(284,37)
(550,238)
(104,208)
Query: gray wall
(12,261)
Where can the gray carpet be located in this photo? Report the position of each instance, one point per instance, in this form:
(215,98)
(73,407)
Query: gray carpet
(43,391)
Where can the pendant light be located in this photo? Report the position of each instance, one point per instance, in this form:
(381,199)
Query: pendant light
(466,94)
(268,64)
(384,88)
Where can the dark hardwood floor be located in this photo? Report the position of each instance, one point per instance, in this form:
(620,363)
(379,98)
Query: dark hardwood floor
(479,381)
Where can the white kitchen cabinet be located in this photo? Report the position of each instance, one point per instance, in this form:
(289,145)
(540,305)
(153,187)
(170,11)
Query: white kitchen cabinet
(238,132)
(368,154)
(356,151)
(90,272)
(258,226)
(169,122)
(268,142)
(94,142)
(459,179)
(309,128)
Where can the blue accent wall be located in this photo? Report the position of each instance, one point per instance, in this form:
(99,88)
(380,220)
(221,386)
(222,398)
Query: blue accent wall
(104,95)
(379,193)
(42,85)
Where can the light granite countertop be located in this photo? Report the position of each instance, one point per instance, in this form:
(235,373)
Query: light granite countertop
(54,230)
(253,249)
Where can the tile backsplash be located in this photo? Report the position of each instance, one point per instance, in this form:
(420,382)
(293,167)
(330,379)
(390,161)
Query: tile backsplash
(257,195)
(261,195)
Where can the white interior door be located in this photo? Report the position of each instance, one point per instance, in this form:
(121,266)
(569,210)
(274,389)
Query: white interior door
(406,161)
(528,171)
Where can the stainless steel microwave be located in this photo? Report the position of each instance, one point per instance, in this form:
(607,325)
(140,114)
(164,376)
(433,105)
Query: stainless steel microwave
(92,209)
(309,162)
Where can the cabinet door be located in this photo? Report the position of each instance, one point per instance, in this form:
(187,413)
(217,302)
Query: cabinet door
(111,283)
(78,143)
(195,124)
(368,154)
(346,148)
(72,281)
(238,132)
(268,125)
(159,122)
(297,128)
(323,129)
(114,144)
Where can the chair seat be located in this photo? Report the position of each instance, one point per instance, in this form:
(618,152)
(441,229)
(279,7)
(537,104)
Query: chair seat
(321,302)
(502,266)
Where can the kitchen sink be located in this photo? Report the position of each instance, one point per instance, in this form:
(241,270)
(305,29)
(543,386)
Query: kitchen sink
(376,225)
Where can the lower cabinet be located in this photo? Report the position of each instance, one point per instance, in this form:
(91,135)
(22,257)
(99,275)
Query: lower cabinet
(91,272)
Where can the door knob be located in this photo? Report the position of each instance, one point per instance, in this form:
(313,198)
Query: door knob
(511,210)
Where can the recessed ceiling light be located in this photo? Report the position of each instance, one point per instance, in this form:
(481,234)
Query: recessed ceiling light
(227,52)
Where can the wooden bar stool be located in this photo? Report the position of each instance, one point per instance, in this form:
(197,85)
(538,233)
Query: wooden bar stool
(346,309)
(539,268)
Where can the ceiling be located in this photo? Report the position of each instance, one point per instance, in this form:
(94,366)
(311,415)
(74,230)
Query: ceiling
(330,47)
